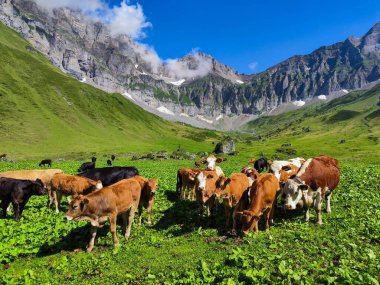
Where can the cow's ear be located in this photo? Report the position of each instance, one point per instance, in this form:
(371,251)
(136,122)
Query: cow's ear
(228,181)
(210,176)
(286,168)
(220,159)
(270,162)
(303,187)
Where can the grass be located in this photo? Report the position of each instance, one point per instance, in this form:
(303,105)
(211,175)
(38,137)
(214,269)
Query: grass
(180,248)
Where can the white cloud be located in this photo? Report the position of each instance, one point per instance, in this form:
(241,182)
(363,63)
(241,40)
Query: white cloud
(123,19)
(253,65)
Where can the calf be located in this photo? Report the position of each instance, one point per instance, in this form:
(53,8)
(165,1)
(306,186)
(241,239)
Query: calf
(316,179)
(263,194)
(186,182)
(44,175)
(18,192)
(148,192)
(205,187)
(63,184)
(45,162)
(232,190)
(86,166)
(99,206)
(261,164)
(110,175)
(109,162)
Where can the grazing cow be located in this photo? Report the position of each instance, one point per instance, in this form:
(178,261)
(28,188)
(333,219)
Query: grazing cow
(205,187)
(186,182)
(317,178)
(261,164)
(113,157)
(86,166)
(232,190)
(277,165)
(251,173)
(109,162)
(93,159)
(99,206)
(44,175)
(45,162)
(148,192)
(110,175)
(63,184)
(263,193)
(18,192)
(211,161)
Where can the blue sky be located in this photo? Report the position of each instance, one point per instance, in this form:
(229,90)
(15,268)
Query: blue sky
(252,33)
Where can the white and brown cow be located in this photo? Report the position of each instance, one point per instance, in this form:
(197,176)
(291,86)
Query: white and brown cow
(205,187)
(211,162)
(186,182)
(315,180)
(278,166)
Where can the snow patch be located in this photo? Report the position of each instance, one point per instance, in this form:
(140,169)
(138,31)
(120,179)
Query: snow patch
(184,115)
(322,97)
(83,80)
(204,119)
(126,94)
(239,81)
(143,73)
(219,117)
(177,83)
(299,103)
(308,68)
(164,110)
(136,65)
(345,91)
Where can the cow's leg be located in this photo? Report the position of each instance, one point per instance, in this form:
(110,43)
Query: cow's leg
(193,191)
(306,214)
(318,208)
(50,198)
(271,213)
(267,218)
(149,209)
(130,221)
(124,216)
(4,205)
(328,202)
(140,214)
(92,240)
(55,198)
(16,208)
(113,219)
(256,226)
(68,198)
(227,214)
(234,218)
(21,207)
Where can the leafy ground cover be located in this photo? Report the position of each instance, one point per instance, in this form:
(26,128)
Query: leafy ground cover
(181,248)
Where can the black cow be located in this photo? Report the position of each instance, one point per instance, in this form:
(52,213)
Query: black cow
(109,162)
(86,166)
(113,157)
(45,162)
(261,164)
(18,192)
(93,159)
(110,175)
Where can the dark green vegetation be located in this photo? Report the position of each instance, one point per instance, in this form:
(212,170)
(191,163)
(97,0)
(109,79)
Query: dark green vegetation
(347,127)
(181,249)
(44,111)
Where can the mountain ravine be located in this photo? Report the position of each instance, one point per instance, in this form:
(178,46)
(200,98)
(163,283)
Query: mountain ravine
(205,92)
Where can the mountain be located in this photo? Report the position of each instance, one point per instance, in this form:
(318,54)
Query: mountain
(45,112)
(196,87)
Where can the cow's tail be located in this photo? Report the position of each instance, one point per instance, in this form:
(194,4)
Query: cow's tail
(179,184)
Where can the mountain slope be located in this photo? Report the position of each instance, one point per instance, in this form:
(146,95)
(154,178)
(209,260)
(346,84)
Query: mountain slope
(45,112)
(348,126)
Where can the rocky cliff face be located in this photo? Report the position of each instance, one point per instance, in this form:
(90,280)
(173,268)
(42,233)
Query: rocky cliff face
(196,85)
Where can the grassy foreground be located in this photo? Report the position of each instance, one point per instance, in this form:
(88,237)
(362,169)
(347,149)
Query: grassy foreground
(180,248)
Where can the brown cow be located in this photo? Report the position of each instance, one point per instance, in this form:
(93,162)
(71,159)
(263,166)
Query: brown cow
(232,190)
(99,206)
(44,175)
(186,182)
(205,187)
(263,193)
(64,184)
(316,179)
(148,192)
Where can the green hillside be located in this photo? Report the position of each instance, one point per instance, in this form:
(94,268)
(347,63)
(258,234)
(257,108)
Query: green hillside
(44,112)
(347,127)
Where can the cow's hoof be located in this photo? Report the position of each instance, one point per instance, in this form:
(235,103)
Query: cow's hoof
(57,211)
(116,244)
(319,223)
(88,250)
(150,224)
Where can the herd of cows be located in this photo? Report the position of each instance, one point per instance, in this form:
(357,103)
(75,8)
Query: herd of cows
(101,194)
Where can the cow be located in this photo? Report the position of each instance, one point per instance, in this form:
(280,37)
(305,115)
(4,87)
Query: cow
(211,161)
(148,192)
(109,162)
(63,184)
(251,173)
(261,164)
(45,162)
(86,166)
(205,187)
(93,159)
(110,175)
(186,182)
(316,179)
(262,194)
(44,175)
(106,204)
(231,190)
(113,157)
(18,192)
(277,165)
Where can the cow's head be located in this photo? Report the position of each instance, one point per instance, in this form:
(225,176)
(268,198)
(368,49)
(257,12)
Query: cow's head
(249,221)
(201,186)
(150,186)
(212,161)
(76,208)
(99,185)
(37,187)
(292,192)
